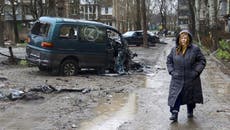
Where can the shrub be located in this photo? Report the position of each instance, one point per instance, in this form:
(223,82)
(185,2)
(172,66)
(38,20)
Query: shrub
(224,50)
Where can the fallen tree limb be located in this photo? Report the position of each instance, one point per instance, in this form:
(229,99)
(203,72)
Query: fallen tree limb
(4,55)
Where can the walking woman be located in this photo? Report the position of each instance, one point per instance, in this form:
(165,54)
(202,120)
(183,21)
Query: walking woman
(185,64)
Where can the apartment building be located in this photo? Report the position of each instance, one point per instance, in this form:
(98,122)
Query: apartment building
(111,12)
(183,14)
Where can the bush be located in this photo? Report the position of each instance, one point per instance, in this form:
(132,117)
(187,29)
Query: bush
(224,50)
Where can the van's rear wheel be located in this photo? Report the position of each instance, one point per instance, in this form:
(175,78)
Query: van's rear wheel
(69,68)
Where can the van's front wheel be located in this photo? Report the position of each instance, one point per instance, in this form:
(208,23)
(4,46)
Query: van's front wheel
(69,68)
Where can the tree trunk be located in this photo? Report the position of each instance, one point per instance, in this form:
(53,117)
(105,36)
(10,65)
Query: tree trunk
(213,23)
(143,8)
(197,15)
(163,13)
(1,32)
(61,8)
(192,16)
(212,13)
(127,15)
(1,24)
(52,8)
(16,40)
(138,14)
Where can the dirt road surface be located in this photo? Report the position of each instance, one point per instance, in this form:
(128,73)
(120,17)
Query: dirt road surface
(136,101)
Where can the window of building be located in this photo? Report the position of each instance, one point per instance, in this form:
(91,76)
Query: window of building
(102,11)
(106,10)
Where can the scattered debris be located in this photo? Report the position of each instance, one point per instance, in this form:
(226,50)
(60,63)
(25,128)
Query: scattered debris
(119,62)
(136,66)
(50,89)
(74,126)
(32,94)
(111,74)
(158,67)
(15,94)
(44,89)
(62,79)
(3,79)
(223,110)
(1,95)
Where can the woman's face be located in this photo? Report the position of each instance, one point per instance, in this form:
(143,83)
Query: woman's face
(184,39)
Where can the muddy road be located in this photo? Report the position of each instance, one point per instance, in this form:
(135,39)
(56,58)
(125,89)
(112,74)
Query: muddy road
(69,110)
(136,101)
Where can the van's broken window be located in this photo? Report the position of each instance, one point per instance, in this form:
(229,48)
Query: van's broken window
(41,29)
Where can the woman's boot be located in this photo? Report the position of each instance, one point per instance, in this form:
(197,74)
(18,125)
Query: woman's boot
(190,108)
(190,113)
(174,116)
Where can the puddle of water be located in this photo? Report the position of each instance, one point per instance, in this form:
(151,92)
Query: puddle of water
(111,116)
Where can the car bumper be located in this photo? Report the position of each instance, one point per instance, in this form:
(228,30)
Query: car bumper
(37,61)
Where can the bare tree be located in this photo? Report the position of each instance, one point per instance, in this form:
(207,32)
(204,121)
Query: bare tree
(138,15)
(61,8)
(13,6)
(213,23)
(163,12)
(36,8)
(212,13)
(191,5)
(131,16)
(149,12)
(1,23)
(197,14)
(52,7)
(144,23)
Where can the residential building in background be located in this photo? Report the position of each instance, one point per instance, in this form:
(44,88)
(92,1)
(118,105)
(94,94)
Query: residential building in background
(106,13)
(89,10)
(183,14)
(224,14)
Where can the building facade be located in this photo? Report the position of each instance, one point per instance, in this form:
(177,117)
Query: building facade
(183,14)
(110,12)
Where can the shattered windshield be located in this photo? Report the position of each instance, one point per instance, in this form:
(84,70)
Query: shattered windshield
(40,29)
(113,35)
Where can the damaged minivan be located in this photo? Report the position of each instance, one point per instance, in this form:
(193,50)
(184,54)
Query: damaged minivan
(65,46)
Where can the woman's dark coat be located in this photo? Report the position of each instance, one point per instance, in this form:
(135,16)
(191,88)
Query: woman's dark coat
(185,71)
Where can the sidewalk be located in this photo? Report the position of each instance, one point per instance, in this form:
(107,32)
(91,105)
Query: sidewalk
(153,112)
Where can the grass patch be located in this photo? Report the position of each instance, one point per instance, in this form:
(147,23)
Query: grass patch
(23,63)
